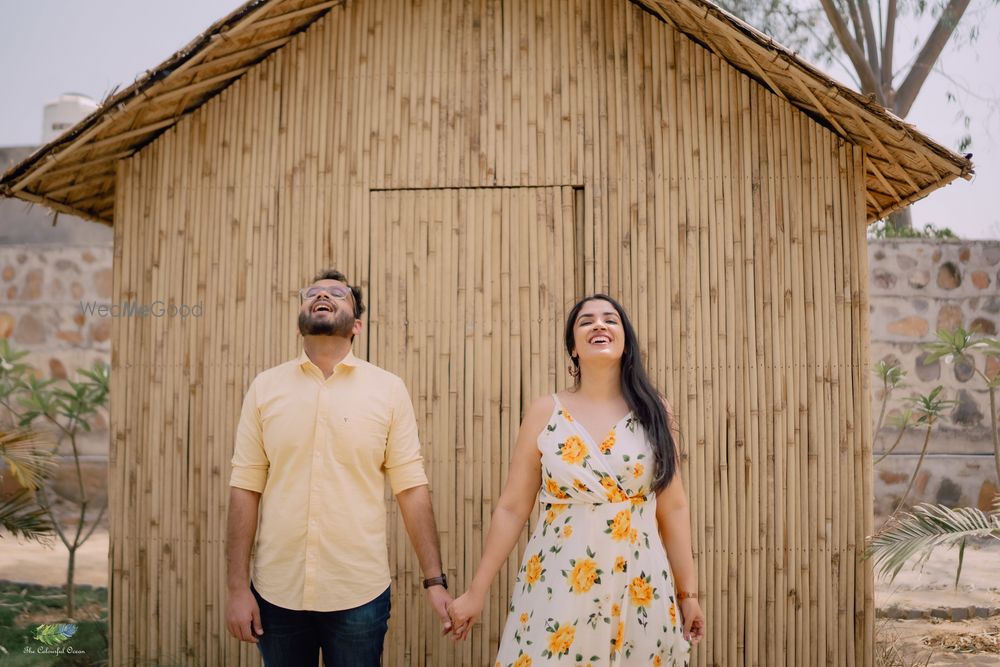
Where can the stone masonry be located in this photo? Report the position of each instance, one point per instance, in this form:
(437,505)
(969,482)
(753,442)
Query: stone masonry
(918,287)
(42,288)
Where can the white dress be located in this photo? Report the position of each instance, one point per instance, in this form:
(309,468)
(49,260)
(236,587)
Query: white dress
(595,587)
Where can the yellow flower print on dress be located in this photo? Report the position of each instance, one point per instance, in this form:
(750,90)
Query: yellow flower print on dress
(533,570)
(620,526)
(641,591)
(673,615)
(553,488)
(593,551)
(560,639)
(573,450)
(619,638)
(583,575)
(609,442)
(657,661)
(615,493)
(554,511)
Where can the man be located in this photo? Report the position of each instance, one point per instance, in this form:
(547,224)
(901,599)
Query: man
(316,439)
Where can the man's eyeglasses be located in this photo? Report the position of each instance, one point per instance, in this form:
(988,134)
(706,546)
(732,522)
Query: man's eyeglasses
(336,292)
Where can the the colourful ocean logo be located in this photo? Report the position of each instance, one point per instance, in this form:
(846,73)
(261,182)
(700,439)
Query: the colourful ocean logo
(51,634)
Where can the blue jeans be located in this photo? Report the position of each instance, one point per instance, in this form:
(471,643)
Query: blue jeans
(348,638)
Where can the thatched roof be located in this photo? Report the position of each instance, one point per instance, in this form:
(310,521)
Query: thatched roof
(75,173)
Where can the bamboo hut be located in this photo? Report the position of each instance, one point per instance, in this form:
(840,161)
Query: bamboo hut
(476,166)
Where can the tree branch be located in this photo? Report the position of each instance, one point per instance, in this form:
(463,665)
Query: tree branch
(852,9)
(929,54)
(869,25)
(869,83)
(890,39)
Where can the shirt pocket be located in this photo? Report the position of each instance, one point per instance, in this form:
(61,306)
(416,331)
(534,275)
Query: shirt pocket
(359,440)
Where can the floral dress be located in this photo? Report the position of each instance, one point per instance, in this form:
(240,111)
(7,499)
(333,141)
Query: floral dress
(595,586)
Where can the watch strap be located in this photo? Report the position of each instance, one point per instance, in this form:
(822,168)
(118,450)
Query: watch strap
(440,580)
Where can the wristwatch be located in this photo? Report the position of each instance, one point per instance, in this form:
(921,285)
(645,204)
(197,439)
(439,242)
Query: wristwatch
(441,580)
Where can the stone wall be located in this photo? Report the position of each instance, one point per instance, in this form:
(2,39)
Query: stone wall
(917,288)
(43,287)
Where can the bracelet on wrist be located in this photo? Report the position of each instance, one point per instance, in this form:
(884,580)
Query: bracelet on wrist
(684,595)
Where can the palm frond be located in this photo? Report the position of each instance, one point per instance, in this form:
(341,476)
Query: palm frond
(27,456)
(928,527)
(20,515)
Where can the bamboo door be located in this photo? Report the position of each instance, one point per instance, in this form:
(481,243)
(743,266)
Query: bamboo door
(469,288)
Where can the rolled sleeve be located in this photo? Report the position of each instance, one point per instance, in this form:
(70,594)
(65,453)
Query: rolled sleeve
(404,464)
(250,462)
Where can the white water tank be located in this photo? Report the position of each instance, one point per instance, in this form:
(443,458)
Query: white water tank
(63,113)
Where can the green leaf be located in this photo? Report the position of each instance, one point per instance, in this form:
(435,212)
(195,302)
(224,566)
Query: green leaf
(27,456)
(928,527)
(21,515)
(961,559)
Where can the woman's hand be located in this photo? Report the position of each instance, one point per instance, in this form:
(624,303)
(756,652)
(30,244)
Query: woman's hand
(464,611)
(694,620)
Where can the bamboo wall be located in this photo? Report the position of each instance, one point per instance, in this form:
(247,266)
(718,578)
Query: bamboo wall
(477,166)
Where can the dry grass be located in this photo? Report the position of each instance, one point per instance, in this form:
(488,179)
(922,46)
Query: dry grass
(889,650)
(987,641)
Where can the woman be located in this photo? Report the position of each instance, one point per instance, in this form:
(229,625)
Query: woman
(598,576)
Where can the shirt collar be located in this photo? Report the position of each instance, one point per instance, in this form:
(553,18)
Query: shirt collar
(349,360)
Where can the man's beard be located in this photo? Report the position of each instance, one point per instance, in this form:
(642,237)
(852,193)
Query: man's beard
(339,325)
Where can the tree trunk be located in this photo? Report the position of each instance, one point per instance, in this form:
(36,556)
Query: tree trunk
(70,588)
(901,219)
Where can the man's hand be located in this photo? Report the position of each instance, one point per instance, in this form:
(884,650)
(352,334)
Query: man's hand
(439,599)
(243,615)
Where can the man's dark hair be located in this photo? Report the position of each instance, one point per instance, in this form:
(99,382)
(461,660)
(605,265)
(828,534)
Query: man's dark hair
(334,274)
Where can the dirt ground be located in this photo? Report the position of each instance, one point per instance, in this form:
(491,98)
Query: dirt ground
(930,591)
(906,641)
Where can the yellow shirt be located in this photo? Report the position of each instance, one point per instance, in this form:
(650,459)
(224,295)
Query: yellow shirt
(318,451)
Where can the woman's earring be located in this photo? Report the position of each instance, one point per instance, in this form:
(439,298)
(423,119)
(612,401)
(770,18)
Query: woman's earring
(574,371)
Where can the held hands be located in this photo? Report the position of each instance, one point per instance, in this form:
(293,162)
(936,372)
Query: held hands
(243,615)
(464,611)
(440,599)
(694,620)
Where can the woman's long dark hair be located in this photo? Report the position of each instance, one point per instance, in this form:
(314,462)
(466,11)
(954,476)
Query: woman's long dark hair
(640,394)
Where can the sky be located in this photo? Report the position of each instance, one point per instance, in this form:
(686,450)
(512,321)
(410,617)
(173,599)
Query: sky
(50,47)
